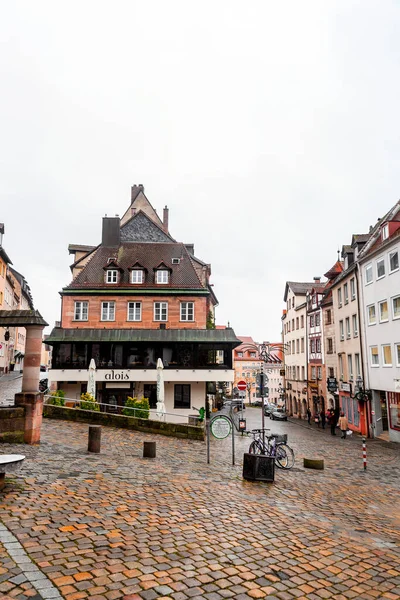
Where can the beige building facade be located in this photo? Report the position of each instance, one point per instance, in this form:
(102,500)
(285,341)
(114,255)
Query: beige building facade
(294,324)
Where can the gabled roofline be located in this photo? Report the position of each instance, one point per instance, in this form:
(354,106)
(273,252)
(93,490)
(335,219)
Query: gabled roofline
(140,211)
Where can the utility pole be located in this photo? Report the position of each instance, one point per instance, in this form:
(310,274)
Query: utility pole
(262,405)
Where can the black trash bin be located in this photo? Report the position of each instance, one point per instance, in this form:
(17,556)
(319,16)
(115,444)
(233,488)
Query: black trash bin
(258,467)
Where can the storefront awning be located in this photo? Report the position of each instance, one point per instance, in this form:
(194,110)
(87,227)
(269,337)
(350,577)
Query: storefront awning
(164,336)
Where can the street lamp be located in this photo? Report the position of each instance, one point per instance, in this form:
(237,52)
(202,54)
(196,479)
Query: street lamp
(362,395)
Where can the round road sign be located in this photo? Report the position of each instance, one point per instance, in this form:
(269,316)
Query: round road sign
(241,385)
(220,427)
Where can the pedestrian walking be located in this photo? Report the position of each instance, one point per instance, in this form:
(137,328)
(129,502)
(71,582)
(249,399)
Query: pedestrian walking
(343,425)
(309,415)
(332,421)
(323,419)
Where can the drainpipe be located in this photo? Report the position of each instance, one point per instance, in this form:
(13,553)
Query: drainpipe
(367,403)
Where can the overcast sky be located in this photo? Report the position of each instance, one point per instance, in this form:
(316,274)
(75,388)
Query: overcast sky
(270,129)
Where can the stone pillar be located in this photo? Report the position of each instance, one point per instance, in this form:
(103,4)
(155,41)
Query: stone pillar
(33,352)
(33,404)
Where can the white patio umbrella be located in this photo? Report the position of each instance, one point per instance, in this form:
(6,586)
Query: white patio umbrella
(91,388)
(160,411)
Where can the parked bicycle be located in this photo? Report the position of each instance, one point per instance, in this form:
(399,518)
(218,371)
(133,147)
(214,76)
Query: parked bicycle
(283,454)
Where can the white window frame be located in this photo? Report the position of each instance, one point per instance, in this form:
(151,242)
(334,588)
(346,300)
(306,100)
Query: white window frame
(380,261)
(109,311)
(392,304)
(353,288)
(350,367)
(368,269)
(368,314)
(136,306)
(341,372)
(383,355)
(380,313)
(385,232)
(346,293)
(137,276)
(339,297)
(390,256)
(184,312)
(313,373)
(348,328)
(357,364)
(341,330)
(112,276)
(374,365)
(355,325)
(162,276)
(397,353)
(163,306)
(82,304)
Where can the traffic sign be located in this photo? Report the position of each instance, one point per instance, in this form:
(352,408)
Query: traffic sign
(241,385)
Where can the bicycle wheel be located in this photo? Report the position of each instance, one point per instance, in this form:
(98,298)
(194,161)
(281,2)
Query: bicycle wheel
(289,454)
(255,447)
(281,458)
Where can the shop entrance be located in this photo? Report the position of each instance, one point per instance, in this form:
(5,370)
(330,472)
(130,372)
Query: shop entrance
(115,398)
(150,392)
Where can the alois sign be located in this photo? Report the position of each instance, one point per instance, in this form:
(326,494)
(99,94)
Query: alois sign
(116,375)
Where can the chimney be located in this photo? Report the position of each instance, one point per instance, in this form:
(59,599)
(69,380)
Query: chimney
(111,231)
(317,279)
(135,191)
(165,219)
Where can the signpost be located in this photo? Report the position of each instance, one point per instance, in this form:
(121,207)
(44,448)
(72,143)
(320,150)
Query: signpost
(241,385)
(220,427)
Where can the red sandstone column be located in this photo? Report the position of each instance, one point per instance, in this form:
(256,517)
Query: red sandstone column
(30,398)
(33,404)
(33,352)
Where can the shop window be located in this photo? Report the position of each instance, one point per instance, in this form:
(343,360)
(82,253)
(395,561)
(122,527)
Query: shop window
(181,396)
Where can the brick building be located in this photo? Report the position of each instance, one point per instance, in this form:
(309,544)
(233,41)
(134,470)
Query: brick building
(138,296)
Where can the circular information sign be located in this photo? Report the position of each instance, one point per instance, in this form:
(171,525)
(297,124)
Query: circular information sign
(220,427)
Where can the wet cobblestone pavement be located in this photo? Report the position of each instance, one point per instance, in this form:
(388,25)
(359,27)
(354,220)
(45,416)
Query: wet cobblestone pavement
(116,525)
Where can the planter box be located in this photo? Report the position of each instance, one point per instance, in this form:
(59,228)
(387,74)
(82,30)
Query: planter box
(258,467)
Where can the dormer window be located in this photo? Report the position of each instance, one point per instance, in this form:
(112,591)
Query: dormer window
(137,276)
(385,232)
(162,276)
(111,276)
(113,271)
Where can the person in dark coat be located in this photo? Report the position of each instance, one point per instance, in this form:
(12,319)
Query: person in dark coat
(332,421)
(323,419)
(309,415)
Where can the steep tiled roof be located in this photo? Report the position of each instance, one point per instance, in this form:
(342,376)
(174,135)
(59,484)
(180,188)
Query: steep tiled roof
(183,275)
(298,288)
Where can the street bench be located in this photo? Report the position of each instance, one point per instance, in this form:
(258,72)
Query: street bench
(8,464)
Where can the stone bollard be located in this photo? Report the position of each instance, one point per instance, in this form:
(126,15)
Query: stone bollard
(314,463)
(94,438)
(149,449)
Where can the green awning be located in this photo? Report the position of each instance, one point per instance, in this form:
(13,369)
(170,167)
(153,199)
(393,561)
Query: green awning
(203,336)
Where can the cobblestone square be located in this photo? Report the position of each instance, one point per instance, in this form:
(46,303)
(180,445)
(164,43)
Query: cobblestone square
(115,525)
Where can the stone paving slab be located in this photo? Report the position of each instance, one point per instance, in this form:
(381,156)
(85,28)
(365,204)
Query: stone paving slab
(116,525)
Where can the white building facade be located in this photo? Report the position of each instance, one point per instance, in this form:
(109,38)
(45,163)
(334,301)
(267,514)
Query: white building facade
(380,289)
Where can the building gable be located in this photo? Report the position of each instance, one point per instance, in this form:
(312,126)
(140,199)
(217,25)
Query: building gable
(140,228)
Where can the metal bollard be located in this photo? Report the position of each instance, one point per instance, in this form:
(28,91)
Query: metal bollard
(94,440)
(364,441)
(149,449)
